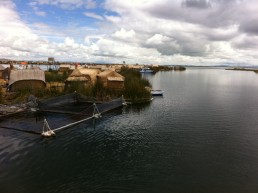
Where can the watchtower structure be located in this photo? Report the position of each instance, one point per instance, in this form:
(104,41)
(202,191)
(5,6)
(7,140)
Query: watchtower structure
(51,63)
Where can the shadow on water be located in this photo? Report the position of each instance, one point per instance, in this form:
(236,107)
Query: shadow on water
(137,107)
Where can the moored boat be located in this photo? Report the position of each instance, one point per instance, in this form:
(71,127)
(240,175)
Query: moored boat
(146,70)
(157,92)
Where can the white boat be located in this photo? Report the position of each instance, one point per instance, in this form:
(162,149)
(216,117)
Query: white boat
(157,92)
(146,70)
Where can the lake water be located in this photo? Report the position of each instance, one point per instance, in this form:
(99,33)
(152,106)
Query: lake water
(200,137)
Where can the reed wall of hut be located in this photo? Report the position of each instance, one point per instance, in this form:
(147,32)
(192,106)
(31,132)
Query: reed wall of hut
(77,76)
(88,76)
(115,84)
(27,84)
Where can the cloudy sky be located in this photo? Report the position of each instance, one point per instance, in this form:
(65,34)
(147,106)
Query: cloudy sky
(190,32)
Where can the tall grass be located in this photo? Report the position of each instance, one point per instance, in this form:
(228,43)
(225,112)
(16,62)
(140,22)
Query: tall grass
(79,87)
(97,91)
(161,68)
(54,76)
(22,95)
(135,85)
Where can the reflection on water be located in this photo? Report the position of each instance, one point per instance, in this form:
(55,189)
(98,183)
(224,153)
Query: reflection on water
(202,136)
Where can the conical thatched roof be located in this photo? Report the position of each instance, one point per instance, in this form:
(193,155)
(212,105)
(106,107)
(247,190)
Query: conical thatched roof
(110,75)
(88,71)
(76,73)
(83,74)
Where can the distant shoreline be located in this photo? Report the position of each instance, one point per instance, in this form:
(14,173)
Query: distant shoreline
(243,69)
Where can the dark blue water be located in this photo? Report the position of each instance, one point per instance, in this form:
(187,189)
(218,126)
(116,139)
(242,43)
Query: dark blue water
(201,137)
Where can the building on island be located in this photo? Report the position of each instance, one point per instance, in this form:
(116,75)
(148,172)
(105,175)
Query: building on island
(26,78)
(111,80)
(84,75)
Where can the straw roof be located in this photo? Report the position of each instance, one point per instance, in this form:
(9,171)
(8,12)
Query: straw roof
(109,74)
(26,74)
(135,66)
(91,73)
(100,67)
(88,71)
(105,73)
(83,74)
(75,79)
(76,73)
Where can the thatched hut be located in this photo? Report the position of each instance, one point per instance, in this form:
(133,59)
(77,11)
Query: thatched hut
(111,79)
(99,67)
(85,75)
(116,67)
(27,78)
(64,68)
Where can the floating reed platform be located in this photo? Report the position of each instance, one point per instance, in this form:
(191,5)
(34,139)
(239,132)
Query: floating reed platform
(58,113)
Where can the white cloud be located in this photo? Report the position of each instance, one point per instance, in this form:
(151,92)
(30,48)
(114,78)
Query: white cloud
(18,41)
(69,41)
(246,42)
(93,15)
(113,19)
(124,35)
(137,31)
(118,51)
(11,26)
(158,39)
(207,30)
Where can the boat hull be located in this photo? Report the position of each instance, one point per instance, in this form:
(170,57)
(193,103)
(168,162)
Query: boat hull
(157,92)
(146,70)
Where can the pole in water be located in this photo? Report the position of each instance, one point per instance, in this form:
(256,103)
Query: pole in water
(94,123)
(47,132)
(96,113)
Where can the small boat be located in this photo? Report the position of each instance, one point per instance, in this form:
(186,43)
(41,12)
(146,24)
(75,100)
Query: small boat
(157,92)
(146,70)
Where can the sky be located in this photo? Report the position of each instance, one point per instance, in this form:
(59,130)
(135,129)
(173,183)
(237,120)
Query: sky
(165,32)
